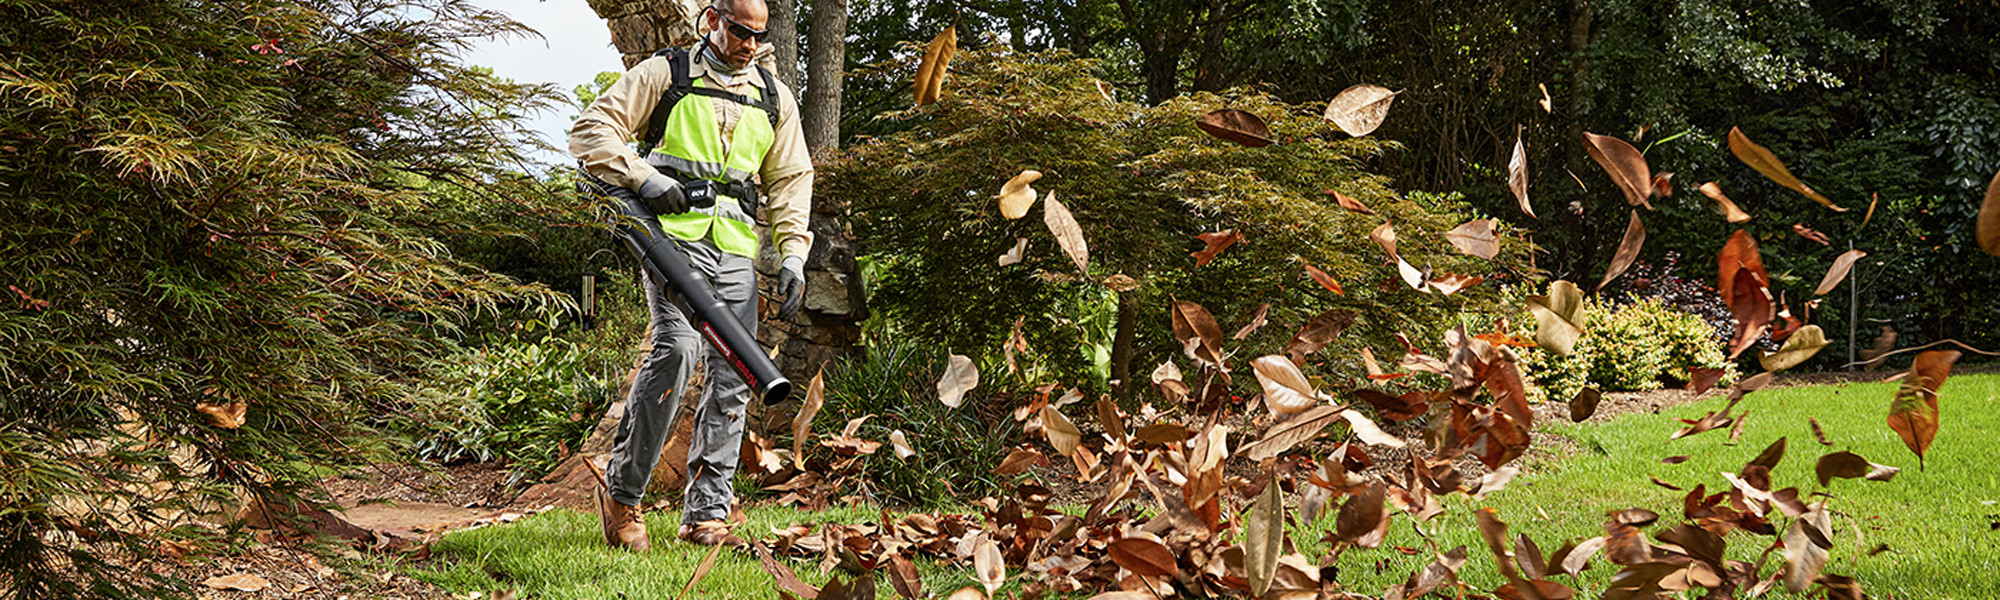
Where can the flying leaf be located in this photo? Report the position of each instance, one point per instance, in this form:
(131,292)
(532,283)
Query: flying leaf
(1121,283)
(1019,460)
(930,72)
(1286,390)
(1625,165)
(1476,238)
(701,570)
(1548,105)
(1358,110)
(1263,539)
(1411,276)
(960,376)
(1451,283)
(1750,303)
(1384,235)
(1914,412)
(1062,434)
(1722,203)
(1739,253)
(1495,481)
(1319,332)
(1876,198)
(787,580)
(1988,229)
(1068,234)
(902,444)
(988,564)
(1628,250)
(966,593)
(1559,317)
(1584,404)
(1282,436)
(802,422)
(1014,256)
(1217,241)
(1236,126)
(1325,280)
(1763,161)
(1395,408)
(1517,175)
(1848,465)
(1811,234)
(1804,554)
(1144,556)
(1198,333)
(1663,184)
(1104,89)
(1838,272)
(1368,431)
(1348,202)
(1016,196)
(1360,514)
(1257,321)
(1802,345)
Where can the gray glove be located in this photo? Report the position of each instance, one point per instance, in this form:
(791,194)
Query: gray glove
(663,195)
(791,287)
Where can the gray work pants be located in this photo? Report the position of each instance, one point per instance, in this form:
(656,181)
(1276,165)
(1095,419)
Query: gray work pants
(654,405)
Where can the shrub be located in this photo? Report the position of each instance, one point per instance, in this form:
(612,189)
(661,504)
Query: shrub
(894,384)
(1627,347)
(525,399)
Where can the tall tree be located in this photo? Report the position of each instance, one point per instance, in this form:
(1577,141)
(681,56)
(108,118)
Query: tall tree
(784,38)
(826,65)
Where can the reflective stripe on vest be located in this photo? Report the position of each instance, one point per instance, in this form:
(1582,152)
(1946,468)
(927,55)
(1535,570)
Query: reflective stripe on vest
(692,145)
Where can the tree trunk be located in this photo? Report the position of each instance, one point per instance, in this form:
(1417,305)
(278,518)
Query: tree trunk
(1121,346)
(827,58)
(785,40)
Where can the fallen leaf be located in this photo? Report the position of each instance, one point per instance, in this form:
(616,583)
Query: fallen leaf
(904,577)
(988,564)
(1662,483)
(1913,414)
(1263,539)
(1559,317)
(1358,110)
(1838,272)
(902,444)
(960,376)
(240,582)
(1763,161)
(1236,126)
(1217,241)
(1068,234)
(1801,345)
(930,72)
(1624,164)
(226,416)
(1016,196)
(1121,283)
(1324,280)
(1014,256)
(1062,434)
(967,593)
(1144,556)
(1476,238)
(1722,203)
(1988,229)
(802,422)
(1628,250)
(1517,175)
(1348,202)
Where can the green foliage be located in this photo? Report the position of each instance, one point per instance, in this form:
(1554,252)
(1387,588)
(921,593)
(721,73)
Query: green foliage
(212,203)
(1141,182)
(1625,348)
(526,399)
(894,385)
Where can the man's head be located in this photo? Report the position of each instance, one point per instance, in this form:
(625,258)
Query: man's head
(736,28)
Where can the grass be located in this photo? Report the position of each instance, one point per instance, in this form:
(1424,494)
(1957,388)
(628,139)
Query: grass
(1935,521)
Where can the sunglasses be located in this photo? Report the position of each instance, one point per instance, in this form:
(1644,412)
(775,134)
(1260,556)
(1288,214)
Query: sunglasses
(742,32)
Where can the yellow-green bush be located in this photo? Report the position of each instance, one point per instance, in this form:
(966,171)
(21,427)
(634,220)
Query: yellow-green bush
(1627,347)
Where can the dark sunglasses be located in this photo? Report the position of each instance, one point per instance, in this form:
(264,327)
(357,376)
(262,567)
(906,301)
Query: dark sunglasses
(741,32)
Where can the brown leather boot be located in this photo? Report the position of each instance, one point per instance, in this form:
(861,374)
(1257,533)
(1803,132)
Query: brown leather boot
(624,526)
(711,533)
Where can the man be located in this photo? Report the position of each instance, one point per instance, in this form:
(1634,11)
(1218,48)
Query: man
(721,137)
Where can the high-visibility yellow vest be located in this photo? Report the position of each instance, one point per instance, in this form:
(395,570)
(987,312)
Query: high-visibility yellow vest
(691,146)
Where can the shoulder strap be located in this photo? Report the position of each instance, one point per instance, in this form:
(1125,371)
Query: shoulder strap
(656,123)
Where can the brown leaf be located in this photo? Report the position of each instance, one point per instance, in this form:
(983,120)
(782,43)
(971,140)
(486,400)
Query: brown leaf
(1841,465)
(241,582)
(902,444)
(1325,280)
(787,581)
(1723,204)
(1014,255)
(1838,272)
(1801,345)
(1257,321)
(1348,202)
(1559,317)
(1384,235)
(1110,418)
(1016,342)
(1625,165)
(1395,408)
(1804,555)
(226,416)
(1763,161)
(1062,434)
(1068,234)
(1702,379)
(1494,532)
(1016,196)
(1160,434)
(1988,229)
(1662,483)
(1019,460)
(1750,302)
(1319,332)
(1663,184)
(930,72)
(903,576)
(1264,539)
(967,593)
(1144,556)
(1739,253)
(802,422)
(1578,558)
(1476,238)
(1217,241)
(1517,175)
(1628,250)
(960,376)
(1360,514)
(1493,482)
(1584,404)
(1811,234)
(1198,333)
(1913,414)
(1876,198)
(1236,126)
(988,564)
(701,570)
(1286,434)
(1368,431)
(1548,106)
(1359,109)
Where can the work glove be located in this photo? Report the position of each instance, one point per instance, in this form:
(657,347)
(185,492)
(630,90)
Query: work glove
(663,195)
(791,287)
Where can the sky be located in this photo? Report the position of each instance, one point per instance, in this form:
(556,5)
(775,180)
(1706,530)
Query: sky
(575,46)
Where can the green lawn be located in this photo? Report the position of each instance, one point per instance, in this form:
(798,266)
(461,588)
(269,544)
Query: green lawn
(1935,521)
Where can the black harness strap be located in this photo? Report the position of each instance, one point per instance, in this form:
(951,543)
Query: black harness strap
(677,58)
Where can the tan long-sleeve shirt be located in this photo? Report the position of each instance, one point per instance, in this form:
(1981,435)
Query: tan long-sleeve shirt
(598,138)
